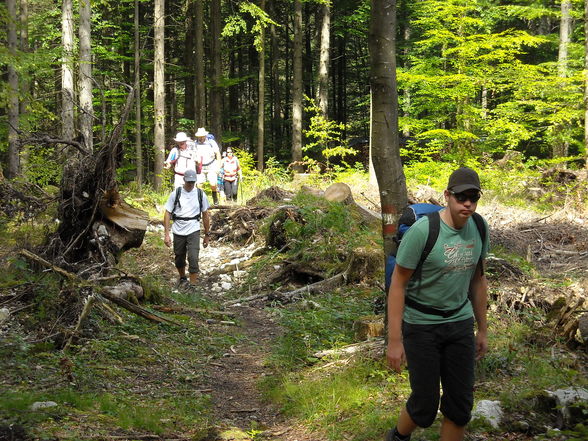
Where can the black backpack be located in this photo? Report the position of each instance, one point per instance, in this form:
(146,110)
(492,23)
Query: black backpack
(178,204)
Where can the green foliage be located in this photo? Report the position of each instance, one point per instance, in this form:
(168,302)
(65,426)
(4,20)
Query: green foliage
(237,24)
(326,135)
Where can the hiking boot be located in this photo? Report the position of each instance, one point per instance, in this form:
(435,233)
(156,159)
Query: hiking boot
(391,436)
(182,281)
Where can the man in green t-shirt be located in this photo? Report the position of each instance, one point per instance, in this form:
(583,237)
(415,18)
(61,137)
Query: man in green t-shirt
(432,329)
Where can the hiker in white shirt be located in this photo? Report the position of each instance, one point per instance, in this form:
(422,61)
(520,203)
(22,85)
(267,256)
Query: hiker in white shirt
(181,157)
(208,158)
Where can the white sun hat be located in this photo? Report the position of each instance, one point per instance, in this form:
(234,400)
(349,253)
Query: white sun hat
(201,132)
(181,137)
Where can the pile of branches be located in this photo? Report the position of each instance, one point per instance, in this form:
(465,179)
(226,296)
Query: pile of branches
(22,201)
(553,246)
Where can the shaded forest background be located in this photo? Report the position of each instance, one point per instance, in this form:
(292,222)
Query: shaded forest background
(475,79)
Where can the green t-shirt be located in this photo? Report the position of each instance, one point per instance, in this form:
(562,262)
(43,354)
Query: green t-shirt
(447,271)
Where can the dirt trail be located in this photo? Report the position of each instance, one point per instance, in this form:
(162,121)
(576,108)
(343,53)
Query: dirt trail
(237,401)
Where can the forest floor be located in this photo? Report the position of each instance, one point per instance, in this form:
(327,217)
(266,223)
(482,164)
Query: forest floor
(144,381)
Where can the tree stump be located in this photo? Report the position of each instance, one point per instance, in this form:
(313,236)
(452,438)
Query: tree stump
(341,192)
(368,327)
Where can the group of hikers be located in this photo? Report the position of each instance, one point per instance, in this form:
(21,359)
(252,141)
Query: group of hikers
(436,301)
(203,155)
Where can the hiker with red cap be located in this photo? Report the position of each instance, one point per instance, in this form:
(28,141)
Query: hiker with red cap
(181,157)
(432,306)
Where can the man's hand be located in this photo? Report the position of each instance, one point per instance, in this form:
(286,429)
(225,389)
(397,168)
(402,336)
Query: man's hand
(166,165)
(395,355)
(206,240)
(481,345)
(167,239)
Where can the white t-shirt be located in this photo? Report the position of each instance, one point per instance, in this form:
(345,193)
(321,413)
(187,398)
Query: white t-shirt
(190,207)
(206,153)
(183,159)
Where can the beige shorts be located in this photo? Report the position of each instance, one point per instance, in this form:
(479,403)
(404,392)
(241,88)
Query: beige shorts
(209,173)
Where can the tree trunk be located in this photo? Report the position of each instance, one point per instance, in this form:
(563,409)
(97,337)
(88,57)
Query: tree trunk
(25,86)
(384,141)
(561,147)
(261,96)
(159,91)
(85,79)
(297,89)
(13,106)
(137,87)
(586,81)
(67,82)
(323,70)
(276,114)
(189,61)
(216,95)
(199,96)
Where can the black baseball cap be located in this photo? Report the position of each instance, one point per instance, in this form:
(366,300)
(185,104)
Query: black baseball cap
(464,179)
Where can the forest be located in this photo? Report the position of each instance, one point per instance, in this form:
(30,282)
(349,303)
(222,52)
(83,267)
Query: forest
(341,113)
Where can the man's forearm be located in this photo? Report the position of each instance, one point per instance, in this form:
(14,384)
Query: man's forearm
(480,303)
(206,222)
(166,222)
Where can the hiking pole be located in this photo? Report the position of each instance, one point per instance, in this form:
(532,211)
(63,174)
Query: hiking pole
(241,190)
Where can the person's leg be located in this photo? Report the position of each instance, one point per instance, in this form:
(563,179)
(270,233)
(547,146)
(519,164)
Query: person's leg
(180,256)
(457,378)
(213,180)
(451,431)
(423,359)
(193,247)
(235,190)
(405,425)
(228,189)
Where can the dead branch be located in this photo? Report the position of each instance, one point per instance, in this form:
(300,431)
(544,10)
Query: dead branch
(88,302)
(37,259)
(376,344)
(183,309)
(105,292)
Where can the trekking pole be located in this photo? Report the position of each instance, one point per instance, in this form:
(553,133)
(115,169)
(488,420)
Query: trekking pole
(241,190)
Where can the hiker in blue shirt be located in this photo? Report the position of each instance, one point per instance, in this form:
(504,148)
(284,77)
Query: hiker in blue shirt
(187,206)
(431,319)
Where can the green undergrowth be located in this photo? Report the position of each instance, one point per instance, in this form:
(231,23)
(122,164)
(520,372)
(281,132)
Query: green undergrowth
(358,397)
(131,379)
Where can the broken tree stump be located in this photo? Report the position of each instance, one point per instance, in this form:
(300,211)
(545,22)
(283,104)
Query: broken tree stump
(341,192)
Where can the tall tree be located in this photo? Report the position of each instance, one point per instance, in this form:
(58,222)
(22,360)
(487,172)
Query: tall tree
(216,93)
(13,105)
(384,137)
(67,81)
(199,94)
(159,90)
(85,77)
(137,87)
(323,69)
(586,81)
(261,94)
(561,146)
(297,88)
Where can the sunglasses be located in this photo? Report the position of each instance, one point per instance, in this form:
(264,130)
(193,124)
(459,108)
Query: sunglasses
(462,197)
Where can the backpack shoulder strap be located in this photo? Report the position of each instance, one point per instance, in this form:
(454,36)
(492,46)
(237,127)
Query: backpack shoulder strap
(200,200)
(434,227)
(481,226)
(177,202)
